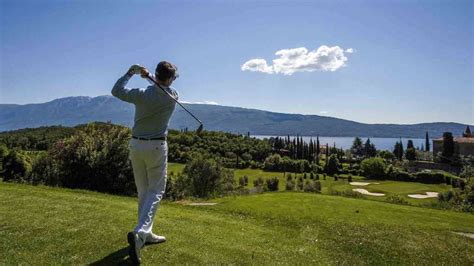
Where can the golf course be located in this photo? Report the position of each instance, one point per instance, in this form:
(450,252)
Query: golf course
(330,186)
(45,225)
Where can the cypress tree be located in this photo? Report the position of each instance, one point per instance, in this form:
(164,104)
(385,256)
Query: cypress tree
(448,144)
(427,142)
(327,151)
(318,149)
(410,144)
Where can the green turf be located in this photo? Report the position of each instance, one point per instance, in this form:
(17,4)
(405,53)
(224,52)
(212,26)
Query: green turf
(390,188)
(43,226)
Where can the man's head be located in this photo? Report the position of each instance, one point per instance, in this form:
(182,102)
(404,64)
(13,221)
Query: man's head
(166,73)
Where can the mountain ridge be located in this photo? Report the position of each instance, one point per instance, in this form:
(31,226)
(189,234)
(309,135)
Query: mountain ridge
(73,110)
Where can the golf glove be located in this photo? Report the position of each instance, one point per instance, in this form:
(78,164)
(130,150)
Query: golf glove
(138,70)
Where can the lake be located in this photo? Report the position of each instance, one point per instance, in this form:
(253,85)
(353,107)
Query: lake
(346,142)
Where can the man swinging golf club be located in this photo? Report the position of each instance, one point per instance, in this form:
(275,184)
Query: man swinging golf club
(148,147)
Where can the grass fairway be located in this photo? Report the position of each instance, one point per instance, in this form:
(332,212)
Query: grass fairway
(389,188)
(42,225)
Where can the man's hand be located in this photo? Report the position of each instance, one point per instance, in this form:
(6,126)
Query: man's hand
(138,70)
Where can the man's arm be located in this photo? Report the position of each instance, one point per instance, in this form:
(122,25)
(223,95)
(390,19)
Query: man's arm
(129,95)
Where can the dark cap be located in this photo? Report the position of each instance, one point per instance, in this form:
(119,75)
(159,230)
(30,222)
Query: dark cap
(165,70)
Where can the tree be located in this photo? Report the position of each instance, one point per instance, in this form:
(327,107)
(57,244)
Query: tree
(332,166)
(448,145)
(369,149)
(410,153)
(207,177)
(387,155)
(327,152)
(16,166)
(410,144)
(427,142)
(357,148)
(398,150)
(374,167)
(3,153)
(272,162)
(318,149)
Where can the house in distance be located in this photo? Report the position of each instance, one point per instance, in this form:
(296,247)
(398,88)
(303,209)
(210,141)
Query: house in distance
(463,145)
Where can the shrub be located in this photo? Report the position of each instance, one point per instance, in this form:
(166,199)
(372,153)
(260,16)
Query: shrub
(374,168)
(459,199)
(308,186)
(346,193)
(208,177)
(311,175)
(349,178)
(397,200)
(44,171)
(258,182)
(241,181)
(336,177)
(272,183)
(399,175)
(246,180)
(312,186)
(300,183)
(94,158)
(17,167)
(3,153)
(430,177)
(290,184)
(317,186)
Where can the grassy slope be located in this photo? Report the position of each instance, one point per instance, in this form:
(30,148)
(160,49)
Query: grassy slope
(41,225)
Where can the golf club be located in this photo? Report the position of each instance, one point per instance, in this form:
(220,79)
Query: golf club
(201,126)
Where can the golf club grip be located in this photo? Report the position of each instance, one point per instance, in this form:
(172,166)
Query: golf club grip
(171,96)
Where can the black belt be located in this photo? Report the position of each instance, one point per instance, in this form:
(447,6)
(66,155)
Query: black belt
(160,138)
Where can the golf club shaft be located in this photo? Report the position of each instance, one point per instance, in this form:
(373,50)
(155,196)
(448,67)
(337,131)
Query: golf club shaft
(171,96)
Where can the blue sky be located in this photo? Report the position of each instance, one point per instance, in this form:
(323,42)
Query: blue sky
(412,60)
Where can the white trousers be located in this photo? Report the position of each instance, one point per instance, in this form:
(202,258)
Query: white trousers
(149,163)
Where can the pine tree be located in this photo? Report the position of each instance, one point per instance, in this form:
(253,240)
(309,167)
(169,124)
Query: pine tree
(357,147)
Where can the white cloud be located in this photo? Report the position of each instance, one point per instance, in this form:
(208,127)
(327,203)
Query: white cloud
(258,65)
(324,112)
(204,102)
(293,60)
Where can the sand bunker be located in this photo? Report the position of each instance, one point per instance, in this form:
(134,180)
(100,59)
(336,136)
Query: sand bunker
(201,203)
(470,235)
(424,196)
(365,192)
(359,183)
(362,183)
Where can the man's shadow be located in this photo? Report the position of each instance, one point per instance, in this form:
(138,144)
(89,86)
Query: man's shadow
(119,257)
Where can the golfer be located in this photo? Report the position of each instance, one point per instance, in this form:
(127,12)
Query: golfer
(148,147)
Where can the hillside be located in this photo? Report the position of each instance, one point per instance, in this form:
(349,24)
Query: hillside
(79,227)
(71,111)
